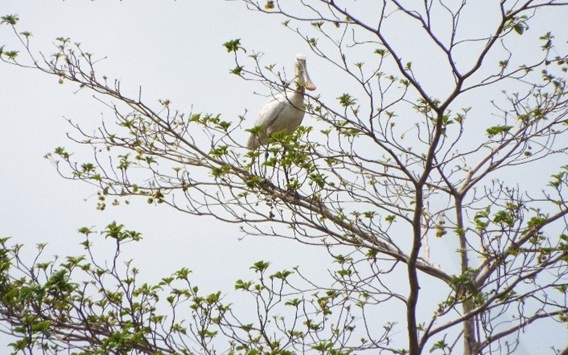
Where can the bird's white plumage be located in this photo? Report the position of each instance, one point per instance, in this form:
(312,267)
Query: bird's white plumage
(283,112)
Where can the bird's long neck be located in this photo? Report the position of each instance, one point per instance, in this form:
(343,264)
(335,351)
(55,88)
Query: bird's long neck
(300,89)
(300,85)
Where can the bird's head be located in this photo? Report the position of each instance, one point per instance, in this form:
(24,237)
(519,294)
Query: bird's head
(302,77)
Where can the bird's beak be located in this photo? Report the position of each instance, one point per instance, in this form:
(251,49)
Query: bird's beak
(309,85)
(307,81)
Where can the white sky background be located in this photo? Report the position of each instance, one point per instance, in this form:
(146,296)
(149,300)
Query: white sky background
(174,51)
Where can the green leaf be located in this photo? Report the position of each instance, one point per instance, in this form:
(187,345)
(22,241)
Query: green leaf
(11,54)
(390,218)
(10,19)
(504,217)
(440,345)
(536,222)
(260,266)
(243,285)
(233,45)
(346,100)
(381,51)
(294,303)
(85,230)
(282,275)
(495,130)
(237,70)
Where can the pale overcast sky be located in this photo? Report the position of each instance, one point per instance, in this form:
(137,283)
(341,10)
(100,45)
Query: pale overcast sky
(173,49)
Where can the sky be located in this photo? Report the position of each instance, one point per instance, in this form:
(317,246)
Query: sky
(173,50)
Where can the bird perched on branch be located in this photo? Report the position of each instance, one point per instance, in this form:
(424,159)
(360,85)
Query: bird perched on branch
(285,111)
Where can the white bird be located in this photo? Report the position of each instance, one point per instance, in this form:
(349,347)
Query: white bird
(285,111)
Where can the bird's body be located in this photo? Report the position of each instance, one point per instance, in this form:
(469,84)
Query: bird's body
(283,112)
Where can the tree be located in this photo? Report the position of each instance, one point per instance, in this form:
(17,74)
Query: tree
(419,159)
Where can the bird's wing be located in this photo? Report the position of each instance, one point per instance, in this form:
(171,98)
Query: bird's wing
(269,113)
(266,117)
(253,142)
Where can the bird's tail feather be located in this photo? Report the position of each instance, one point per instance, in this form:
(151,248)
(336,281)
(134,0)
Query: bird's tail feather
(253,142)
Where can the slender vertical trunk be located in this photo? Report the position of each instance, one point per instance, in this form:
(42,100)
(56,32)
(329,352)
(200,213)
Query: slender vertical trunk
(470,342)
(413,345)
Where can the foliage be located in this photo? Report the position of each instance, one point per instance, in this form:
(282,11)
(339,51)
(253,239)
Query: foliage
(420,148)
(112,311)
